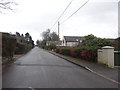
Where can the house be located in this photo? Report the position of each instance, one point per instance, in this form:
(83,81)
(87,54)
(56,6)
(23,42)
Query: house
(72,41)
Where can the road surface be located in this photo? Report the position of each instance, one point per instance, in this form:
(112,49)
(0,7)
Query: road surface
(40,69)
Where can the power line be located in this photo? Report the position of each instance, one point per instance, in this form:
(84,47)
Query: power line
(75,11)
(62,13)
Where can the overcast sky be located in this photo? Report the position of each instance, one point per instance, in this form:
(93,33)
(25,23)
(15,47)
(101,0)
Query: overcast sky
(98,17)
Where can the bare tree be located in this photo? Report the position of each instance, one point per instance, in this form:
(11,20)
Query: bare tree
(6,5)
(46,35)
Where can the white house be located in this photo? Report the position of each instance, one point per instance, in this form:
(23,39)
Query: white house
(72,41)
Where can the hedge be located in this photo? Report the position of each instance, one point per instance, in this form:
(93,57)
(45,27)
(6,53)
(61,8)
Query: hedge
(84,52)
(8,46)
(22,48)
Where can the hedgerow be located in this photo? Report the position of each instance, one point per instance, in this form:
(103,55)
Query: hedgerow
(22,48)
(84,52)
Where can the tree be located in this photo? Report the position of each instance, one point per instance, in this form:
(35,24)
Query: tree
(46,35)
(18,37)
(17,33)
(43,43)
(27,35)
(38,42)
(22,38)
(32,43)
(30,39)
(91,40)
(54,36)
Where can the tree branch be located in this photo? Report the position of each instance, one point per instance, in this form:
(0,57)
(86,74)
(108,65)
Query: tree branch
(7,5)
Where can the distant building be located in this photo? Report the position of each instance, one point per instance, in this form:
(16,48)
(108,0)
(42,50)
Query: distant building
(72,41)
(112,39)
(57,43)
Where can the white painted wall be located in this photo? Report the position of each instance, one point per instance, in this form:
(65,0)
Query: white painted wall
(106,56)
(100,56)
(72,43)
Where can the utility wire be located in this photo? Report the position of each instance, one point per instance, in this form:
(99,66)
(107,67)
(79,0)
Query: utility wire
(75,12)
(62,13)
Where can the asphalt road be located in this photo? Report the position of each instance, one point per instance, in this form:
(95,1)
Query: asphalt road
(40,69)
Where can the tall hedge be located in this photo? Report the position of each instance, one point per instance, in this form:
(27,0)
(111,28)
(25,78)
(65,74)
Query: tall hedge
(22,48)
(8,45)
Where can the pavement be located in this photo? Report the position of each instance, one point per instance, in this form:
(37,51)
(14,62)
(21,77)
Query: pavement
(99,69)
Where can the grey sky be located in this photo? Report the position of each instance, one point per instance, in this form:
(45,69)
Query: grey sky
(98,17)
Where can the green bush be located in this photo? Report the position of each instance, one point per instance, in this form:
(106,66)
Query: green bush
(22,48)
(8,46)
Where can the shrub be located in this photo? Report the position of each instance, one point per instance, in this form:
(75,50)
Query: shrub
(65,51)
(50,47)
(57,50)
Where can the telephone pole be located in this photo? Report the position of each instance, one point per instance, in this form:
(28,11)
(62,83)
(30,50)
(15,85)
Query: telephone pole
(58,29)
